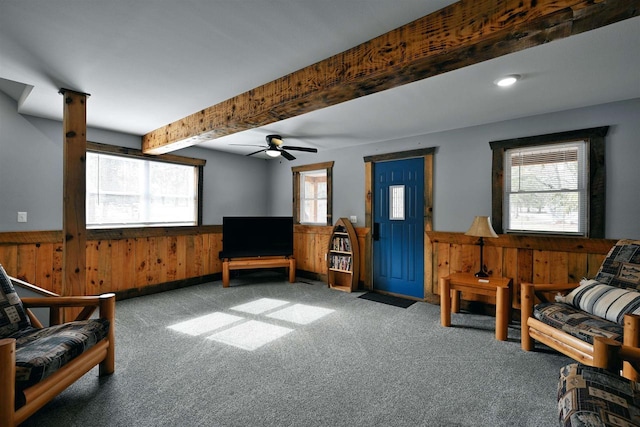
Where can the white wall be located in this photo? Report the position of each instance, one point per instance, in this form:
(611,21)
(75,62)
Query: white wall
(462,167)
(31,170)
(31,173)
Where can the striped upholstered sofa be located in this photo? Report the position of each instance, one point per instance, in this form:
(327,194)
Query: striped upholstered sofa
(607,306)
(36,362)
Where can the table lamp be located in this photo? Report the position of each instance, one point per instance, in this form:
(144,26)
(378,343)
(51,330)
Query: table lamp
(481,227)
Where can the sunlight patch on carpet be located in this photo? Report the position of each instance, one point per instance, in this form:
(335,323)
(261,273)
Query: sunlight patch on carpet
(250,335)
(260,306)
(300,313)
(207,323)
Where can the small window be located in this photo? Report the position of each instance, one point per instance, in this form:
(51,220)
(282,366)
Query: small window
(127,191)
(313,197)
(551,184)
(312,194)
(396,202)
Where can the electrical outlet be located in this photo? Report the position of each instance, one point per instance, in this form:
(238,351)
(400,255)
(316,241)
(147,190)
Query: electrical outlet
(22,217)
(353,219)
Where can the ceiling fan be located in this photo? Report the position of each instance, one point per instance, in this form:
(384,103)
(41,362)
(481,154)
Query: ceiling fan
(276,148)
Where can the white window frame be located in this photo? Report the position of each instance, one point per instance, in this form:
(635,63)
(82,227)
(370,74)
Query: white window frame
(298,191)
(314,198)
(550,155)
(396,202)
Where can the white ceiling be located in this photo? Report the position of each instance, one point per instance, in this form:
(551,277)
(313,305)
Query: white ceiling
(147,63)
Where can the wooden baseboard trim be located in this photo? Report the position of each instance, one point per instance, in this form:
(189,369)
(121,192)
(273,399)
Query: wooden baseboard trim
(167,286)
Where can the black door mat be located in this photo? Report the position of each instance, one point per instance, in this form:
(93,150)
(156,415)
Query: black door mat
(387,299)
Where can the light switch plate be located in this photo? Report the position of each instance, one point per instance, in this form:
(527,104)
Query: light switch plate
(22,217)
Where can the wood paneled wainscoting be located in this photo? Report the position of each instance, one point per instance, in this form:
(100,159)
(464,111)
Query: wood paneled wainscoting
(531,259)
(137,261)
(128,262)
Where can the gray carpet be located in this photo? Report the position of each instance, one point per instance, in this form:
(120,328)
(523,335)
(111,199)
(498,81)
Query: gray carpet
(364,364)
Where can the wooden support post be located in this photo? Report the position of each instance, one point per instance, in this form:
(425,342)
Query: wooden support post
(74,129)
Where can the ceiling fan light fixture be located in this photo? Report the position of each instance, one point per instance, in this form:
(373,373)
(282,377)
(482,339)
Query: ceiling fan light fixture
(272,153)
(507,81)
(274,139)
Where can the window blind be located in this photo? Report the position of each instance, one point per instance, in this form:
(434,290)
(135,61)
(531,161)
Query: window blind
(546,189)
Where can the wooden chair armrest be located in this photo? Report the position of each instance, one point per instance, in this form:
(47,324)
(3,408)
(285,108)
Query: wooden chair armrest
(528,291)
(631,355)
(538,289)
(611,354)
(70,301)
(105,303)
(551,287)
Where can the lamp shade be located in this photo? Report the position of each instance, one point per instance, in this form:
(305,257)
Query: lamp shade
(481,227)
(272,153)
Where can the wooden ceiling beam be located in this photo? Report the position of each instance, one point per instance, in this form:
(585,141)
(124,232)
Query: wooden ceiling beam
(462,34)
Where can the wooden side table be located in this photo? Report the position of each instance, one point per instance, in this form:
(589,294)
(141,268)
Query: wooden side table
(498,287)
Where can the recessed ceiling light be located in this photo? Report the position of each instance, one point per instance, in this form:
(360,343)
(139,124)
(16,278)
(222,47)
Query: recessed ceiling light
(507,80)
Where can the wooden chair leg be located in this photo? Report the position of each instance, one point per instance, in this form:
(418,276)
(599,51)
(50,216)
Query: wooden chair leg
(7,381)
(108,311)
(631,338)
(526,311)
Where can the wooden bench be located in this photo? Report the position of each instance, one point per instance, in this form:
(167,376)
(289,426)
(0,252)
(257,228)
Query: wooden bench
(229,264)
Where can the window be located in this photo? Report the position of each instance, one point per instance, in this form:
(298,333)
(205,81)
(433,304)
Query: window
(551,184)
(313,197)
(396,202)
(312,193)
(134,190)
(545,189)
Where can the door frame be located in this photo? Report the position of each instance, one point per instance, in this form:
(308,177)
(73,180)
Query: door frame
(369,161)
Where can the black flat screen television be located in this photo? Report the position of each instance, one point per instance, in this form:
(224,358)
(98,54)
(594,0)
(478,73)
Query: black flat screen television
(256,236)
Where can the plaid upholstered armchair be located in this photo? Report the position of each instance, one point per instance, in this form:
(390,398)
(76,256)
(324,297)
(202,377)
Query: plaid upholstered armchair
(608,306)
(36,362)
(589,396)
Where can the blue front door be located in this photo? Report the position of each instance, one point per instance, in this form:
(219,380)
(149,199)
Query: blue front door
(398,235)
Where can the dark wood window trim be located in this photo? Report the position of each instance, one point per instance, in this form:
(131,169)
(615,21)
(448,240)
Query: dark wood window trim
(595,138)
(295,170)
(97,147)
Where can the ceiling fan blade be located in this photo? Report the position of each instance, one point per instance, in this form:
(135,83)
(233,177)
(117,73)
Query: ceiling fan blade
(248,145)
(256,152)
(287,155)
(307,149)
